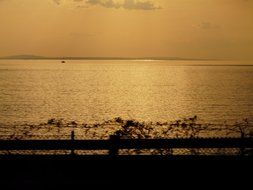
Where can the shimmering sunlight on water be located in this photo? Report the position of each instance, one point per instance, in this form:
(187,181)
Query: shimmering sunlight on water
(32,91)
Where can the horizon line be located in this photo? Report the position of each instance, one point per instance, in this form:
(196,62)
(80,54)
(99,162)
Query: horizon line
(34,57)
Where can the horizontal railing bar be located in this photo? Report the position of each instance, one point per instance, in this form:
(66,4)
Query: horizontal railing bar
(124,144)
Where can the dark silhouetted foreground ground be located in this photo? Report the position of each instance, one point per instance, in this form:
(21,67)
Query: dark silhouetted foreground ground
(153,171)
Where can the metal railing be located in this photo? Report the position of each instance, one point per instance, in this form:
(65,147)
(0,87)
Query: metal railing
(114,144)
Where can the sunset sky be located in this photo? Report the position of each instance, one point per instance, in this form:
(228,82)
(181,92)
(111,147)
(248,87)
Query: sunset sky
(127,28)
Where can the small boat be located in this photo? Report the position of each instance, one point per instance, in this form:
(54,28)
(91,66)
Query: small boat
(63,62)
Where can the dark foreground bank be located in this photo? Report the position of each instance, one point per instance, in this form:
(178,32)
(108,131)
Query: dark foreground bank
(123,171)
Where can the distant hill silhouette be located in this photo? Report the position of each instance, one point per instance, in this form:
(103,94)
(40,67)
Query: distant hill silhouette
(23,57)
(32,57)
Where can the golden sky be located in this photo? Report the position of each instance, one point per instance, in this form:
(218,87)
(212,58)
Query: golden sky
(128,28)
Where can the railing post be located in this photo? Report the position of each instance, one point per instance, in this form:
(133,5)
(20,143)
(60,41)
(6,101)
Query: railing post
(72,139)
(114,150)
(242,148)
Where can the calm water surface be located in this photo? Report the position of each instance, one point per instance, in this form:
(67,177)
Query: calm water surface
(93,91)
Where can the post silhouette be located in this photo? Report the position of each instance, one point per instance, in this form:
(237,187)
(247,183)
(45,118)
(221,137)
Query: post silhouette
(114,150)
(72,139)
(242,148)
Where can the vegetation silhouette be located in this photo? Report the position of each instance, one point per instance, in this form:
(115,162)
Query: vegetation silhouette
(121,128)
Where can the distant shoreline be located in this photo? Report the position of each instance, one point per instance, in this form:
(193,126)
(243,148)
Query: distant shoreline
(212,62)
(33,57)
(113,59)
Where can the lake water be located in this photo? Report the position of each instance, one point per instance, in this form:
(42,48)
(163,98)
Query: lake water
(32,91)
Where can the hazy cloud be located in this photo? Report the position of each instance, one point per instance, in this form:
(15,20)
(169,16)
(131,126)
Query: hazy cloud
(144,5)
(57,2)
(208,25)
(104,3)
(125,4)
